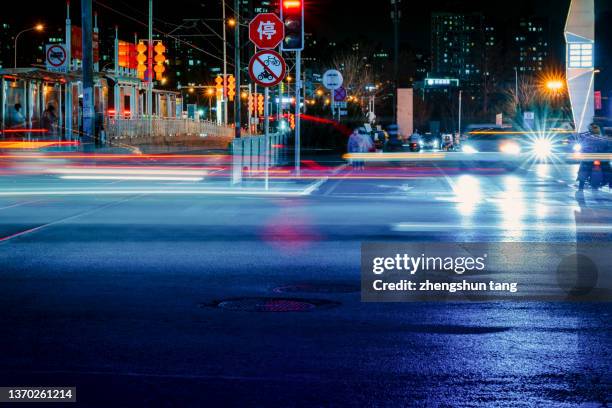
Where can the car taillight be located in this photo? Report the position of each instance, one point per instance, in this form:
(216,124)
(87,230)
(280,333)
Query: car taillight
(596,163)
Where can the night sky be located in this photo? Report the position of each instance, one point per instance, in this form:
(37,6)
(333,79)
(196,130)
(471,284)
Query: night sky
(334,19)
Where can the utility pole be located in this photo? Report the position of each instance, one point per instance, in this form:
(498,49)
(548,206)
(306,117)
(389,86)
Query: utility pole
(516,94)
(224,64)
(237,112)
(396,15)
(68,86)
(88,83)
(150,68)
(460,112)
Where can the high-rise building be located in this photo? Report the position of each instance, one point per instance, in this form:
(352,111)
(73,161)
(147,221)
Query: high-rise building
(532,44)
(422,64)
(6,45)
(188,65)
(457,44)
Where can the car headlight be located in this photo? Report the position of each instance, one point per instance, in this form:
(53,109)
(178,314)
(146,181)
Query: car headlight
(469,149)
(510,148)
(577,148)
(542,148)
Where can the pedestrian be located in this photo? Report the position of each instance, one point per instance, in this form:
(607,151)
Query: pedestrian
(49,120)
(16,118)
(364,145)
(353,147)
(99,134)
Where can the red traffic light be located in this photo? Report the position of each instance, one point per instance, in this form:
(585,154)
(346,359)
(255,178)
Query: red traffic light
(292,15)
(292,4)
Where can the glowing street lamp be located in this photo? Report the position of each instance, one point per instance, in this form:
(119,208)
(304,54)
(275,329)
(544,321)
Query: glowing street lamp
(37,27)
(555,86)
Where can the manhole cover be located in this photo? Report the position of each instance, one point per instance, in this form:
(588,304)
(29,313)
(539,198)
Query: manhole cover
(317,288)
(278,305)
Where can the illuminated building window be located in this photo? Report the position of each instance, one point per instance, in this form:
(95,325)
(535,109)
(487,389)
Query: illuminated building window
(580,55)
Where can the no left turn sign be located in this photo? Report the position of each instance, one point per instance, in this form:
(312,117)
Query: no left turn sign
(267,68)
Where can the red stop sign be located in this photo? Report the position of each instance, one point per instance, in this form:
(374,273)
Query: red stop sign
(266,31)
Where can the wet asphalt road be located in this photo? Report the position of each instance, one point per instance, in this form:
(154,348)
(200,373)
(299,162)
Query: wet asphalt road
(116,294)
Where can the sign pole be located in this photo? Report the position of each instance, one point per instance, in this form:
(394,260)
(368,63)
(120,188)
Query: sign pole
(298,85)
(87,69)
(267,133)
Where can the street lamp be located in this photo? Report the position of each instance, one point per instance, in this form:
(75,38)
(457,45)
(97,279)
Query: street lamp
(37,27)
(554,86)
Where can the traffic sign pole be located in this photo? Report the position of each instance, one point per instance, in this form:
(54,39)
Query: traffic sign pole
(298,86)
(267,133)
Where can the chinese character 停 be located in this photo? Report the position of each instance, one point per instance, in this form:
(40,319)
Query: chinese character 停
(266,29)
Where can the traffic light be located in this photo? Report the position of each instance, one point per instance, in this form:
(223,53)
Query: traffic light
(231,88)
(292,15)
(260,104)
(141,58)
(160,59)
(219,83)
(251,105)
(219,86)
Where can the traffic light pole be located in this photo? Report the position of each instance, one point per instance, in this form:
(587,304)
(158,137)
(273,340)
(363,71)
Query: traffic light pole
(150,68)
(224,65)
(237,111)
(298,87)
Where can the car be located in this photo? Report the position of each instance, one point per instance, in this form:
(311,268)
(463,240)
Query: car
(507,143)
(415,143)
(431,142)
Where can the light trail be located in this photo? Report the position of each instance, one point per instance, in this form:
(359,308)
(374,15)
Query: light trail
(128,172)
(169,192)
(546,227)
(115,156)
(514,132)
(20,145)
(133,178)
(469,157)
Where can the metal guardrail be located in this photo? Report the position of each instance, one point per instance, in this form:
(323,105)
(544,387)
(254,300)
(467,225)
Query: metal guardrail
(120,128)
(249,154)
